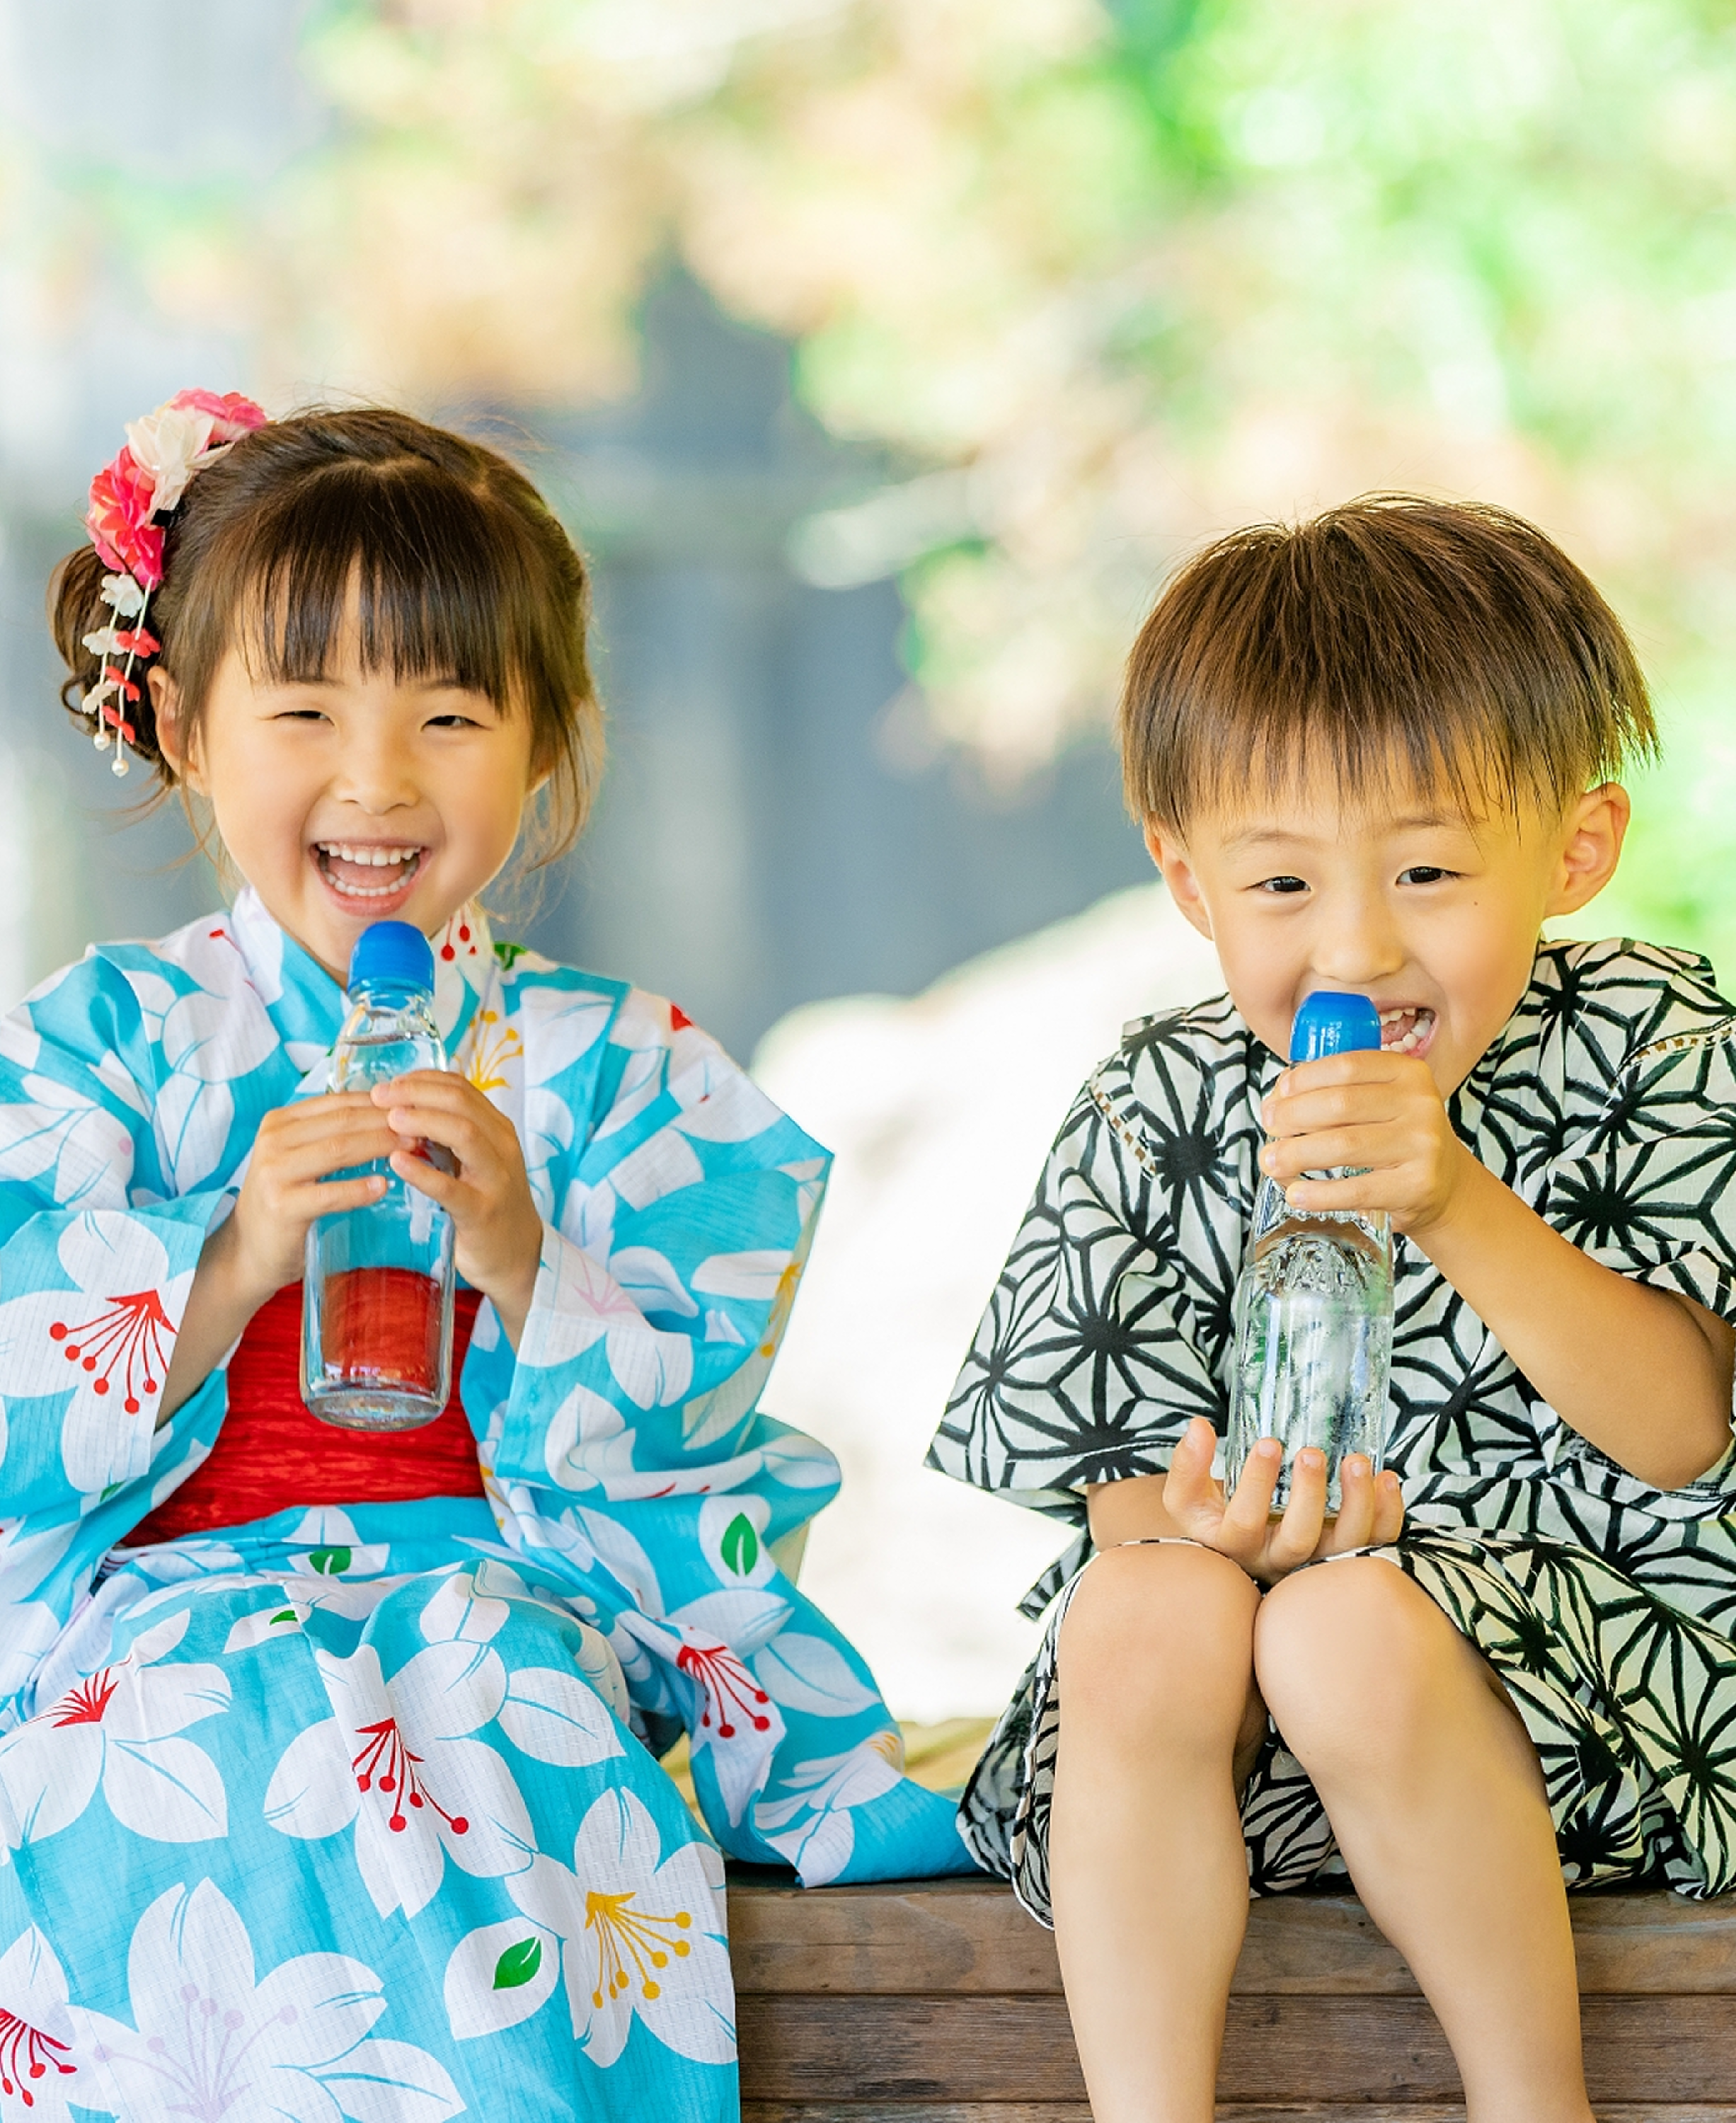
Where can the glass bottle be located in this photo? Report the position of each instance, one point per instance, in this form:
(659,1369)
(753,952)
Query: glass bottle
(1313,1310)
(377,1296)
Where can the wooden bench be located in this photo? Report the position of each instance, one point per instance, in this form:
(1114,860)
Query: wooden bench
(939,2001)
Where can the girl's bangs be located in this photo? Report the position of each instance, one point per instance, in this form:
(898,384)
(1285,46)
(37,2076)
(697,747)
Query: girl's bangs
(413,573)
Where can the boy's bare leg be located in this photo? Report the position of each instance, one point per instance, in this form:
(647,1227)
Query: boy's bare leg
(1436,1797)
(1148,1871)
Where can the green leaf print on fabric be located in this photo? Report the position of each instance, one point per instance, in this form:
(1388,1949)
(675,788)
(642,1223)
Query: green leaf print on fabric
(519,1964)
(740,1544)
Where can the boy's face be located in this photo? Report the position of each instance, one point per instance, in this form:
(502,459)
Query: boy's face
(1431,914)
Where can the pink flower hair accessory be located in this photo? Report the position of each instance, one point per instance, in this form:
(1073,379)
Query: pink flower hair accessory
(163,453)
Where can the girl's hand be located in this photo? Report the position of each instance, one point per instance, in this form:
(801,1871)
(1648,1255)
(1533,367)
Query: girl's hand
(497,1226)
(287,1189)
(1370,1514)
(1381,1114)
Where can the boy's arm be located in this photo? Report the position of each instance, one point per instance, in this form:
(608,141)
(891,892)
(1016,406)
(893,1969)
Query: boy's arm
(1643,1373)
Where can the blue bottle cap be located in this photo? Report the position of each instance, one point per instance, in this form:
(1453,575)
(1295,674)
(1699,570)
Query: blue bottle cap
(395,953)
(1326,1024)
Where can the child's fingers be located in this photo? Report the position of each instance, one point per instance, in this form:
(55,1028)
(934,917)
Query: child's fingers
(1248,1513)
(1389,1510)
(358,1141)
(330,1198)
(448,1189)
(1297,1536)
(1189,1490)
(1383,1145)
(1355,1524)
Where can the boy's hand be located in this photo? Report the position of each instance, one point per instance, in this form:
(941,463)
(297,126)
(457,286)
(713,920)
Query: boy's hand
(1371,1510)
(497,1227)
(287,1187)
(1381,1114)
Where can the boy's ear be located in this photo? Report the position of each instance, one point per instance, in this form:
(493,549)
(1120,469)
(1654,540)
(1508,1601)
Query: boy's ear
(1165,849)
(174,741)
(1596,826)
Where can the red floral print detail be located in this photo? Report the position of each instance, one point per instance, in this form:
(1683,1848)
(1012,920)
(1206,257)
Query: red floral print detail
(85,1705)
(679,1018)
(130,1333)
(463,932)
(26,2053)
(729,1687)
(447,952)
(386,1764)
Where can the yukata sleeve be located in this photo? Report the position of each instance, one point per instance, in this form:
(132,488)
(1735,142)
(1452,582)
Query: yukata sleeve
(97,1254)
(1649,1188)
(1107,1330)
(669,1267)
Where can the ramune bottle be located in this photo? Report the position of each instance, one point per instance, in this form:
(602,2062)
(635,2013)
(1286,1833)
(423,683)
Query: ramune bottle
(1313,1311)
(377,1296)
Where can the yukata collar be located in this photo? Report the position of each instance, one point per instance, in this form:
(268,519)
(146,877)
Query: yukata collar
(306,1004)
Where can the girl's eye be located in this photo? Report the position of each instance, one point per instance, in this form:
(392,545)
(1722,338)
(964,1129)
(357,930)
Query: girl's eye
(1282,884)
(453,722)
(301,715)
(1422,873)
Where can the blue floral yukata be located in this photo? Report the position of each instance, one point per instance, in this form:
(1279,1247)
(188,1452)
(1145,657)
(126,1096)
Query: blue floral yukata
(355,1813)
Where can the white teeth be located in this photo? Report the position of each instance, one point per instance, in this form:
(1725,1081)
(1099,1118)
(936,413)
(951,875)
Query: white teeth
(375,858)
(1418,1020)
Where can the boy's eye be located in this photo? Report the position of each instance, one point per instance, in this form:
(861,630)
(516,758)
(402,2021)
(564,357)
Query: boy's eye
(453,722)
(1422,873)
(1282,884)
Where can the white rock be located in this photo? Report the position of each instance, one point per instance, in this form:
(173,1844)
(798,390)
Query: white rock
(940,1110)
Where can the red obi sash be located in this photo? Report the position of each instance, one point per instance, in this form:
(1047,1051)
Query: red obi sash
(271,1453)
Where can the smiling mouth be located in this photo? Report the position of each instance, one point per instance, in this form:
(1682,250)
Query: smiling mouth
(1406,1031)
(365,872)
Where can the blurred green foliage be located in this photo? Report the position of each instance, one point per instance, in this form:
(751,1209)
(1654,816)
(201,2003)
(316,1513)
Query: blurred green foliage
(1104,276)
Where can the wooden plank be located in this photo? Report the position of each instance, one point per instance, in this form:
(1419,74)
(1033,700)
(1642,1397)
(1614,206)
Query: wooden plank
(989,2050)
(1079,2111)
(967,1936)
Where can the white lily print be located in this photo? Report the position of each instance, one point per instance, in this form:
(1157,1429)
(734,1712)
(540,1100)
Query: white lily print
(210,2042)
(37,2065)
(118,1727)
(108,1339)
(633,1935)
(60,1129)
(399,1761)
(812,1827)
(606,1299)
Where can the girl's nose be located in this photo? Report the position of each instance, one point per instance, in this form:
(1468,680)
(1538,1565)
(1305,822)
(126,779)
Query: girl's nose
(377,776)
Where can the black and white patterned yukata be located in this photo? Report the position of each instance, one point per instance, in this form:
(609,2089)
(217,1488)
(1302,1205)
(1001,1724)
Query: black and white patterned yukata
(1608,1103)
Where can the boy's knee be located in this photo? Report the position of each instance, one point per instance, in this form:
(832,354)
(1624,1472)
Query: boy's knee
(1350,1657)
(1159,1633)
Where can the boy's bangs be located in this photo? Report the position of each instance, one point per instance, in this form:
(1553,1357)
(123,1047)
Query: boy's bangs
(1396,648)
(411,569)
(1262,751)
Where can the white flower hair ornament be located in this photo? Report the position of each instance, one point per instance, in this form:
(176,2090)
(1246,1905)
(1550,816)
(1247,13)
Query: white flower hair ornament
(163,452)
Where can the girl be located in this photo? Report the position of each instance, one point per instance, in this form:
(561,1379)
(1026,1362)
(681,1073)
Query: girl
(1376,753)
(326,1760)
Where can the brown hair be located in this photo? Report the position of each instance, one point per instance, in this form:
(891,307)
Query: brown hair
(461,568)
(1445,645)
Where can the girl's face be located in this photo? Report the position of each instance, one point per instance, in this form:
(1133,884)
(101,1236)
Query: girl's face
(1432,914)
(355,798)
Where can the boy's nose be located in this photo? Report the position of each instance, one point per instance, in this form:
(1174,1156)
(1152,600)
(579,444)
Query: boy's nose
(1359,950)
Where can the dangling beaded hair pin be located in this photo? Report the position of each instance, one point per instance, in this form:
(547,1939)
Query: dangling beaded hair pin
(164,452)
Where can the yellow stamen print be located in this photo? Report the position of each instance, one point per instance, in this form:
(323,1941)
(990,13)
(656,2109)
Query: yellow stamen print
(491,1051)
(783,1299)
(625,1934)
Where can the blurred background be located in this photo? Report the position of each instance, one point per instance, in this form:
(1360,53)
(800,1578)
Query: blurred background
(884,355)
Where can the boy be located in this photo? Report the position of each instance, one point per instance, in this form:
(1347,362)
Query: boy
(1376,753)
